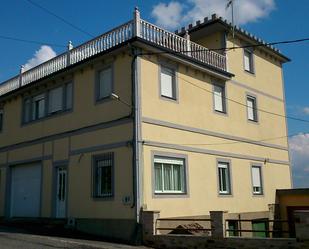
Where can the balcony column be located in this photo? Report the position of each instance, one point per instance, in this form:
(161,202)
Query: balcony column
(69,48)
(188,46)
(21,71)
(136,22)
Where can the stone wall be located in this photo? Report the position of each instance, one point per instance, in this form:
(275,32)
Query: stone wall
(217,240)
(194,242)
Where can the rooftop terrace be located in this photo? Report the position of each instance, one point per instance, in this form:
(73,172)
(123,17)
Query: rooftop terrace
(136,28)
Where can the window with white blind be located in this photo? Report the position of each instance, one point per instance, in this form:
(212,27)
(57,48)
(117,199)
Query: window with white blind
(219,98)
(224,178)
(1,120)
(168,83)
(104,83)
(60,99)
(256,180)
(55,100)
(248,61)
(169,175)
(252,109)
(103,175)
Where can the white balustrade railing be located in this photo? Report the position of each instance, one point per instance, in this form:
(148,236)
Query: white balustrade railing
(155,34)
(102,43)
(119,35)
(9,85)
(45,69)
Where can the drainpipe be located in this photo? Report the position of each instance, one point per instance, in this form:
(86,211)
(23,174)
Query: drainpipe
(136,120)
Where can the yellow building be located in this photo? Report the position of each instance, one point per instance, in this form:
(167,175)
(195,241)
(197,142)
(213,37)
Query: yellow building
(142,118)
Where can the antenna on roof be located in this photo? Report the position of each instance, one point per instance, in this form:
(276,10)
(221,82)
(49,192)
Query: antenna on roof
(230,3)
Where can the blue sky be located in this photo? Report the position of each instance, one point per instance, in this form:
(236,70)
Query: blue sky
(269,19)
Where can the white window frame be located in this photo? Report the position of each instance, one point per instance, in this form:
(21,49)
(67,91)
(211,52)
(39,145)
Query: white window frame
(172,162)
(254,191)
(249,55)
(252,109)
(221,98)
(224,165)
(97,180)
(171,72)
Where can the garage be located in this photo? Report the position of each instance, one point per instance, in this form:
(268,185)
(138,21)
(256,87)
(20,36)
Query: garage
(26,190)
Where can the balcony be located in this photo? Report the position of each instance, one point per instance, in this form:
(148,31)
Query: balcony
(119,35)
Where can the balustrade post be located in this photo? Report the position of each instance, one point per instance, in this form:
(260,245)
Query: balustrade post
(69,48)
(188,42)
(21,71)
(137,22)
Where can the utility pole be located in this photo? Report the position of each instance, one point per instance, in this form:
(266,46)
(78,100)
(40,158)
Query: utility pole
(230,3)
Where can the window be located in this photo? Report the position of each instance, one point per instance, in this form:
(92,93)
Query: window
(233,228)
(219,99)
(38,107)
(1,120)
(168,83)
(59,99)
(252,109)
(105,83)
(248,61)
(256,180)
(103,175)
(224,178)
(261,228)
(169,175)
(55,100)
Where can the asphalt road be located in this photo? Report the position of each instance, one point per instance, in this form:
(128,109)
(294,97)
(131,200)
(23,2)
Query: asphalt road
(12,238)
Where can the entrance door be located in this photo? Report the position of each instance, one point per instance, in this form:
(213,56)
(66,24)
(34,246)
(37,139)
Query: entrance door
(61,194)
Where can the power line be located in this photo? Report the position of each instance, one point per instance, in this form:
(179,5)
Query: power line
(30,41)
(60,18)
(229,48)
(249,141)
(239,103)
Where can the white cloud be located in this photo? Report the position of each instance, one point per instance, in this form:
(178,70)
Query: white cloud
(43,54)
(306,110)
(299,149)
(168,15)
(174,14)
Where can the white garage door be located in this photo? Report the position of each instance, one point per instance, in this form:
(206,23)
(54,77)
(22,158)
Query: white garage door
(26,190)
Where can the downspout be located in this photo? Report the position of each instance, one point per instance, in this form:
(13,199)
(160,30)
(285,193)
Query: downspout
(136,119)
(135,116)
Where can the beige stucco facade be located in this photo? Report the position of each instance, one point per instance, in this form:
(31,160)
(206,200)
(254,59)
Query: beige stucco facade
(188,127)
(191,127)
